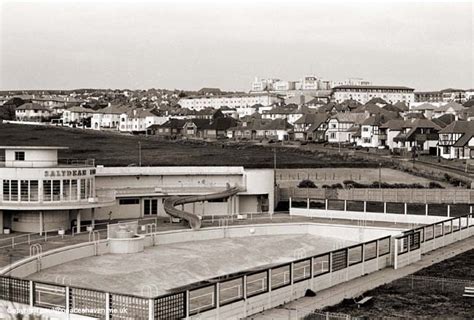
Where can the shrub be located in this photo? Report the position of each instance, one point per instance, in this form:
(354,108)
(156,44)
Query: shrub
(306,184)
(435,185)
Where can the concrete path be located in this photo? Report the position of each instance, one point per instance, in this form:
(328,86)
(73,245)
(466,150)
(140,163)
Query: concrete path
(331,296)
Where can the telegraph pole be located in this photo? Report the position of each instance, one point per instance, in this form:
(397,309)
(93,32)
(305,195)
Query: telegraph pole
(139,154)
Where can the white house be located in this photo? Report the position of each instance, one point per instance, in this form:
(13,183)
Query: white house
(76,114)
(108,117)
(456,141)
(138,120)
(340,125)
(371,133)
(32,112)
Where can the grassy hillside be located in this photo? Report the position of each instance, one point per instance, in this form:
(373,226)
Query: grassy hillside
(116,149)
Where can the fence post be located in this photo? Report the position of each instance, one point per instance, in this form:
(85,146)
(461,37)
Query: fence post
(67,300)
(13,242)
(151,309)
(31,293)
(107,306)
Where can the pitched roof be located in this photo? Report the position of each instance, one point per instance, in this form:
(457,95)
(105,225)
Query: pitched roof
(377,100)
(393,124)
(311,118)
(451,105)
(80,109)
(401,105)
(357,118)
(424,106)
(466,128)
(444,120)
(32,106)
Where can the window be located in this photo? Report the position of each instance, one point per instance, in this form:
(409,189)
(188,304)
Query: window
(20,155)
(128,201)
(66,189)
(14,190)
(6,190)
(24,190)
(34,190)
(73,189)
(56,190)
(47,190)
(83,188)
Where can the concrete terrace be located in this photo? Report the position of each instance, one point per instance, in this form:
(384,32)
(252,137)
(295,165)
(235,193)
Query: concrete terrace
(10,255)
(170,266)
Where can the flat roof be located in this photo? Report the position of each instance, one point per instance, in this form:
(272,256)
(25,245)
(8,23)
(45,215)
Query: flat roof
(32,148)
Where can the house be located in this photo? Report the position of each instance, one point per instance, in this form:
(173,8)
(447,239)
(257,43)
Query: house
(32,112)
(421,134)
(370,133)
(339,125)
(280,112)
(194,128)
(456,141)
(218,128)
(172,128)
(76,115)
(311,126)
(108,117)
(277,129)
(389,130)
(426,109)
(138,120)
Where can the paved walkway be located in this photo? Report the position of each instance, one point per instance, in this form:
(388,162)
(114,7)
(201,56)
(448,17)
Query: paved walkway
(331,296)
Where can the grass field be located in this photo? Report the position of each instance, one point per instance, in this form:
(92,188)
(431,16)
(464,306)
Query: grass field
(421,298)
(113,149)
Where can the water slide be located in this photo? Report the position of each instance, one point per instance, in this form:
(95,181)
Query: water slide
(193,219)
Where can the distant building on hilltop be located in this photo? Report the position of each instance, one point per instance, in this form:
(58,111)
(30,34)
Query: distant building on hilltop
(362,94)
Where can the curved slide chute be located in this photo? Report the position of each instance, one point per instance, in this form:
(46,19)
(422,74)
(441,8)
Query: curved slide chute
(193,219)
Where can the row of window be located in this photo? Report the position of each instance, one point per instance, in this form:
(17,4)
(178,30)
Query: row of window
(52,190)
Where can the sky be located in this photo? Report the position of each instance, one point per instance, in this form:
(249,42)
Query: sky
(193,44)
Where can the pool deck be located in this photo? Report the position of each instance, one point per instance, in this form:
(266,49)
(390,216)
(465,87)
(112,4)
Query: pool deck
(165,267)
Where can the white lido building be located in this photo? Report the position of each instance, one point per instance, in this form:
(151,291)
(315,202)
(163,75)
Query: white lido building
(41,192)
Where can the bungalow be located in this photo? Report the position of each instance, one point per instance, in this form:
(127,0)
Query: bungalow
(311,126)
(170,129)
(32,112)
(218,128)
(195,128)
(339,125)
(278,129)
(456,141)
